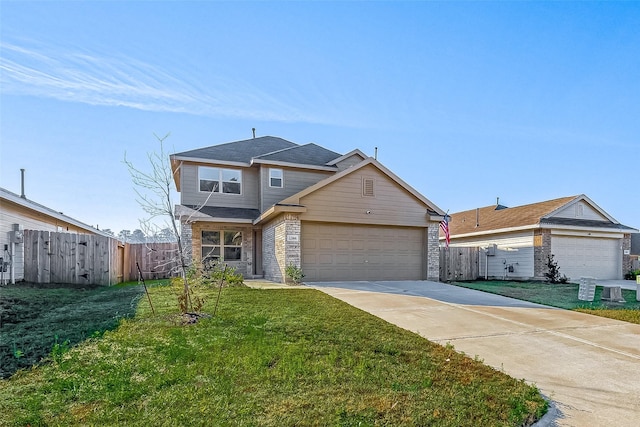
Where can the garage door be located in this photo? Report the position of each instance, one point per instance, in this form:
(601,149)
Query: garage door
(582,256)
(352,252)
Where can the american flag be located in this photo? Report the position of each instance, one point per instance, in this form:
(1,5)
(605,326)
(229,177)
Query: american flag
(444,226)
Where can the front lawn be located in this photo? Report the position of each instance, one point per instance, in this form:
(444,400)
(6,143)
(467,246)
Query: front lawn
(269,358)
(34,320)
(562,296)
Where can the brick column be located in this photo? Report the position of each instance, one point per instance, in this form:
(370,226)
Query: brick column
(281,246)
(433,251)
(541,252)
(626,259)
(186,238)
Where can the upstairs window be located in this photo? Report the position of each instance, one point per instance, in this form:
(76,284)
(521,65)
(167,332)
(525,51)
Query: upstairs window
(217,180)
(276,178)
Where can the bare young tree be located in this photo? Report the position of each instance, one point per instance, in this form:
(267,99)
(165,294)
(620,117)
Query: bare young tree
(153,188)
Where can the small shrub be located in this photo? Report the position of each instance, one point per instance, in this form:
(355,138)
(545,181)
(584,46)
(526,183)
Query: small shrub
(201,275)
(294,273)
(553,271)
(632,274)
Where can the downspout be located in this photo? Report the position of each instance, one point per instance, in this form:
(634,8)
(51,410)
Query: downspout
(12,274)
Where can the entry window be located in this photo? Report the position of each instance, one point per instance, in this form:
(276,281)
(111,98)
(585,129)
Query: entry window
(276,178)
(221,245)
(219,180)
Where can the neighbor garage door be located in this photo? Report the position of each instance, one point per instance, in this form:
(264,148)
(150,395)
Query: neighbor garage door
(585,256)
(354,252)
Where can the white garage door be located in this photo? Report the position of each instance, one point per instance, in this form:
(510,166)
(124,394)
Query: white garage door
(583,256)
(353,252)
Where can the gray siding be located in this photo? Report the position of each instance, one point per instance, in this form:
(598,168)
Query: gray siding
(295,180)
(190,194)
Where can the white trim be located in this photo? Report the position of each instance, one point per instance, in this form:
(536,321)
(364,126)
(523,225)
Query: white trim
(198,160)
(221,181)
(292,165)
(281,178)
(346,156)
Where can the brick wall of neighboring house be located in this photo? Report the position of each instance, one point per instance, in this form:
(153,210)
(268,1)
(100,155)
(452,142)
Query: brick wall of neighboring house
(433,252)
(245,265)
(281,246)
(626,259)
(541,252)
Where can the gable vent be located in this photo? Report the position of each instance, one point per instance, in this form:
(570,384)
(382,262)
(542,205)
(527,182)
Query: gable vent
(367,187)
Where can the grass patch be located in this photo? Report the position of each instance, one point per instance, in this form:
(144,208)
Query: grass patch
(563,296)
(34,320)
(631,316)
(269,358)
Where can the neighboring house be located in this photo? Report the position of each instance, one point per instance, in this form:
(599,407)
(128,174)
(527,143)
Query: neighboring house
(17,213)
(266,203)
(635,251)
(582,237)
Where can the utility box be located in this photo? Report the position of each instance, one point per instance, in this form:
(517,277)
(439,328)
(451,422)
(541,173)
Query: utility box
(491,250)
(17,234)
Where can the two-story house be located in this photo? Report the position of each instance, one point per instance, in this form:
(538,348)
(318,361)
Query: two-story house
(265,203)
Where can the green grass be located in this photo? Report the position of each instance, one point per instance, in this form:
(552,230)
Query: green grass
(562,296)
(35,320)
(269,358)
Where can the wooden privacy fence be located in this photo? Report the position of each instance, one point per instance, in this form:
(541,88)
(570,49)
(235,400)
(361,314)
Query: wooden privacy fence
(87,259)
(459,264)
(156,260)
(77,259)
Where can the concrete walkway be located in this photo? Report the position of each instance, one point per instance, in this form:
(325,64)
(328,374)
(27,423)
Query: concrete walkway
(588,365)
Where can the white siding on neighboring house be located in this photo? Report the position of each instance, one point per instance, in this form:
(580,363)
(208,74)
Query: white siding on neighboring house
(580,210)
(515,250)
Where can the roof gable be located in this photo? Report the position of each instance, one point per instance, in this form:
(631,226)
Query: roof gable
(572,211)
(496,217)
(295,199)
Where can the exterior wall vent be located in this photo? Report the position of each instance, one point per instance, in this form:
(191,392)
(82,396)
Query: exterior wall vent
(367,187)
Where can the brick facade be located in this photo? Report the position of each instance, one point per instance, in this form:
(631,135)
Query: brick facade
(433,252)
(627,264)
(244,266)
(541,252)
(281,246)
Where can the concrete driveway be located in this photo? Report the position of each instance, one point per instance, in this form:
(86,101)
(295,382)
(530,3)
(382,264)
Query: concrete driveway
(588,365)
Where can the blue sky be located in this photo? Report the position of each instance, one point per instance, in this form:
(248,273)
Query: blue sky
(466,101)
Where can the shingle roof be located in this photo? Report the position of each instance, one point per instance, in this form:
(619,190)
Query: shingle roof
(489,218)
(308,154)
(240,151)
(268,148)
(224,212)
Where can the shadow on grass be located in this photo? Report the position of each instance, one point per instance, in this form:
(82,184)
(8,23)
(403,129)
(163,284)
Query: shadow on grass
(36,319)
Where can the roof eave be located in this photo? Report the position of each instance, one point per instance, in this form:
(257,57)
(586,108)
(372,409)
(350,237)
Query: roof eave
(293,165)
(278,209)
